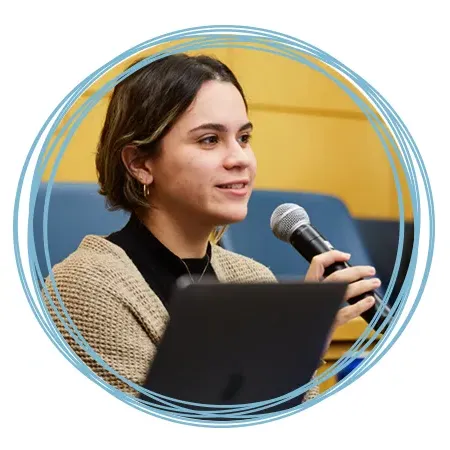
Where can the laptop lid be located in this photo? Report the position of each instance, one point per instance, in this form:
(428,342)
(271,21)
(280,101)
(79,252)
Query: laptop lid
(231,344)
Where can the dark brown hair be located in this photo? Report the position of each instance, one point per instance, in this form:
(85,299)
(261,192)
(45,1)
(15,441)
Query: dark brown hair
(142,110)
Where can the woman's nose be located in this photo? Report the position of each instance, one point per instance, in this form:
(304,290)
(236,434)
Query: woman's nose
(237,156)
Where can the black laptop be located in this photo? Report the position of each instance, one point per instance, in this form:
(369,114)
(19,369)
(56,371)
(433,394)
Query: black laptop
(229,344)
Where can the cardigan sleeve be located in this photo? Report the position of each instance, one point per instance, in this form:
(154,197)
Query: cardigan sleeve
(105,322)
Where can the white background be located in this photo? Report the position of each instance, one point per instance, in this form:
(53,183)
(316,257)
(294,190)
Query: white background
(398,47)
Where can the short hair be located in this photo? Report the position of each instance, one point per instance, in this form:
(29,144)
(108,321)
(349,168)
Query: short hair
(143,108)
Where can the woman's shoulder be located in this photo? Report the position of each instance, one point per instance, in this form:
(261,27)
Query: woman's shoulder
(99,268)
(99,278)
(233,266)
(94,255)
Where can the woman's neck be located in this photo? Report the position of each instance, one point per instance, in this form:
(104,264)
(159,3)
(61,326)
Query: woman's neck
(185,239)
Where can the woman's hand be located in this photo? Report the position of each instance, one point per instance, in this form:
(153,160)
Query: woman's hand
(353,276)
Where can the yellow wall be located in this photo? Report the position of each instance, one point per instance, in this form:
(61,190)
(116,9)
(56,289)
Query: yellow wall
(309,135)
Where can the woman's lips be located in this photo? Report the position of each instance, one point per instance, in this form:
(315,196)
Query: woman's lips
(239,189)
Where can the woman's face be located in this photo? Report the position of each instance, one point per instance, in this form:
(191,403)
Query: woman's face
(206,168)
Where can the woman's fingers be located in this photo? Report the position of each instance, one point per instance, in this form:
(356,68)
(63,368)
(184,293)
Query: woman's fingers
(361,287)
(351,274)
(353,311)
(357,278)
(320,262)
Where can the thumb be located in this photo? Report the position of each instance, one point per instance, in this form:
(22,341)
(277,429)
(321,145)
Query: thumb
(320,262)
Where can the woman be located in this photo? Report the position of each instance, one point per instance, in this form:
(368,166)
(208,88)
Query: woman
(175,152)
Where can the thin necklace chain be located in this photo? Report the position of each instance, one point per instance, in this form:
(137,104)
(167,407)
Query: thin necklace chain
(189,272)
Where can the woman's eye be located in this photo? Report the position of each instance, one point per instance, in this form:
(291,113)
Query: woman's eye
(209,140)
(245,138)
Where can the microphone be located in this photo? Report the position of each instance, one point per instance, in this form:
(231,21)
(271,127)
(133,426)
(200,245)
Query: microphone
(290,223)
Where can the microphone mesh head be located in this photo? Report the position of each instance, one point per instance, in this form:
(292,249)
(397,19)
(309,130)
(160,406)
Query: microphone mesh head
(286,218)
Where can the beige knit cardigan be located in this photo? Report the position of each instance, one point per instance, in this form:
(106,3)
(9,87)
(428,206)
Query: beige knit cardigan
(118,314)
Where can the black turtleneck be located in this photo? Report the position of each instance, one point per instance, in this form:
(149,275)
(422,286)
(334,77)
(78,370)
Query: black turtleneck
(157,264)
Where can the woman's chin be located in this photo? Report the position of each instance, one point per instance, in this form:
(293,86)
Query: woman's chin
(228,216)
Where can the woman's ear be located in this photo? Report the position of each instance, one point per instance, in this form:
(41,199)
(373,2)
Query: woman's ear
(137,164)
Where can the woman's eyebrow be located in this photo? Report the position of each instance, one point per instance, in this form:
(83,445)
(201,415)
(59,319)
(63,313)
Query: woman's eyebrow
(219,127)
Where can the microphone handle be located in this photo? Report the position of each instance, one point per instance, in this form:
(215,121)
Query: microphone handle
(309,243)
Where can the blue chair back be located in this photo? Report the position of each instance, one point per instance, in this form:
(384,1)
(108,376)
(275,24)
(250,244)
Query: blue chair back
(254,238)
(75,210)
